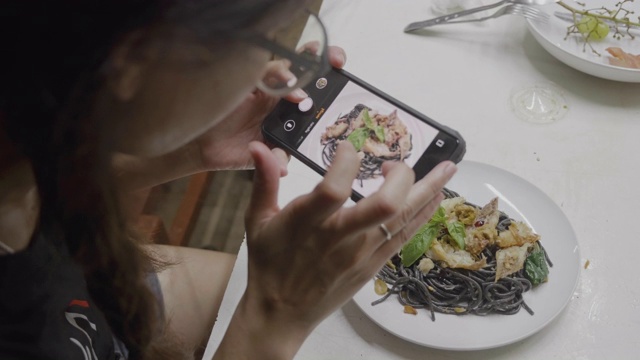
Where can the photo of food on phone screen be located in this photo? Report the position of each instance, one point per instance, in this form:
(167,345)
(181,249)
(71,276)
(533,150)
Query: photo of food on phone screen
(378,130)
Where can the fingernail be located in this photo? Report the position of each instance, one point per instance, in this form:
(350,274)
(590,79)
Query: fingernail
(299,93)
(343,57)
(449,169)
(292,82)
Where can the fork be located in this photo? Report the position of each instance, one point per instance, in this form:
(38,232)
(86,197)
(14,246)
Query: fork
(512,9)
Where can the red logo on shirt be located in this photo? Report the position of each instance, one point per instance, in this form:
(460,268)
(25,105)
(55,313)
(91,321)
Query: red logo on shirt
(82,323)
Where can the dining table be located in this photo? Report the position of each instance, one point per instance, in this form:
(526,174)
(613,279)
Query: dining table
(491,81)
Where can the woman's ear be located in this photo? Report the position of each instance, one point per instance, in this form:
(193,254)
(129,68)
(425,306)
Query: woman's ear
(127,64)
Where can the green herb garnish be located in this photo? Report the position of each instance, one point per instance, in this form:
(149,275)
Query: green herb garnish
(419,243)
(422,240)
(535,267)
(368,121)
(456,230)
(358,137)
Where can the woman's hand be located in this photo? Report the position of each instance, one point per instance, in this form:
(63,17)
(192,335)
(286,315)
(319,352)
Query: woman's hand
(224,146)
(307,259)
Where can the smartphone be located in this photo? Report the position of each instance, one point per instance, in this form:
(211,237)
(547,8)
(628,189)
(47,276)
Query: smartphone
(342,107)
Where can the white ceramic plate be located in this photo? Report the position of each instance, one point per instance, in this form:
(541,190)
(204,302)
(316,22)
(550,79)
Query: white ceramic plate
(521,200)
(570,51)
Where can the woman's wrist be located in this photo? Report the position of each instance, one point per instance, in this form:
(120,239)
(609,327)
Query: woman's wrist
(258,331)
(184,161)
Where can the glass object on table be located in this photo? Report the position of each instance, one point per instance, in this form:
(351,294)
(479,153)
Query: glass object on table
(539,103)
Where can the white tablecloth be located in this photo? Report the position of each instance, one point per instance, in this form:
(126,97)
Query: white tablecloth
(587,162)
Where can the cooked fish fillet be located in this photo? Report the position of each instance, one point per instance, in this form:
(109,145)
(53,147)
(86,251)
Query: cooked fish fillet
(454,258)
(511,260)
(623,59)
(518,234)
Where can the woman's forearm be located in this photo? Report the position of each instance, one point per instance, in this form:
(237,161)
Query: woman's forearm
(135,173)
(254,333)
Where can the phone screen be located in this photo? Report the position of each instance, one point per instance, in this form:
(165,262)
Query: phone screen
(343,110)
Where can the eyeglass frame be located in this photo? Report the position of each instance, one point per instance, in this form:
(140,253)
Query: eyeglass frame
(318,68)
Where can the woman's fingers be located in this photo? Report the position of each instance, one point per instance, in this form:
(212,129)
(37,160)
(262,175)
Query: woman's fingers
(423,200)
(311,47)
(278,73)
(386,202)
(421,195)
(264,197)
(334,189)
(389,248)
(337,57)
(283,160)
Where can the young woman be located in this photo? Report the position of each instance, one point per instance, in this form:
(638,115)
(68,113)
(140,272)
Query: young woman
(99,98)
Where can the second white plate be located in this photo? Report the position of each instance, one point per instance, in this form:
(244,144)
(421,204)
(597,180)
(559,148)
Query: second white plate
(521,200)
(571,51)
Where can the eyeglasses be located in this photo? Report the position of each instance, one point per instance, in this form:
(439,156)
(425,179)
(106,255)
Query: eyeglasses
(294,68)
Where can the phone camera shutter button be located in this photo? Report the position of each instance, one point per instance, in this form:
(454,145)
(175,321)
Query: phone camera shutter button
(305,105)
(289,125)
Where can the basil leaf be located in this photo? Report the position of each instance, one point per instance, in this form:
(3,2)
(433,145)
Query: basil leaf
(419,243)
(429,232)
(368,122)
(357,137)
(379,130)
(439,216)
(535,267)
(456,230)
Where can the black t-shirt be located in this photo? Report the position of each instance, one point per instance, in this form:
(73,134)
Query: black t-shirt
(45,308)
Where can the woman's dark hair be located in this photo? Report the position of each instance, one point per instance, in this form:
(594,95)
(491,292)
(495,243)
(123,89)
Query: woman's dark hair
(54,61)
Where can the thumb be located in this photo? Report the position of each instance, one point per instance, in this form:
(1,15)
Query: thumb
(264,197)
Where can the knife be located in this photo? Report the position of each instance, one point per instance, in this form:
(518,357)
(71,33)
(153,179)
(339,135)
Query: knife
(567,16)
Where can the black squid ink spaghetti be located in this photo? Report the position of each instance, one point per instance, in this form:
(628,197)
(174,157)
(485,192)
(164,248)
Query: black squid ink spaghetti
(467,260)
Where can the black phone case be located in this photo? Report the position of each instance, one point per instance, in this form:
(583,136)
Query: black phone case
(426,162)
